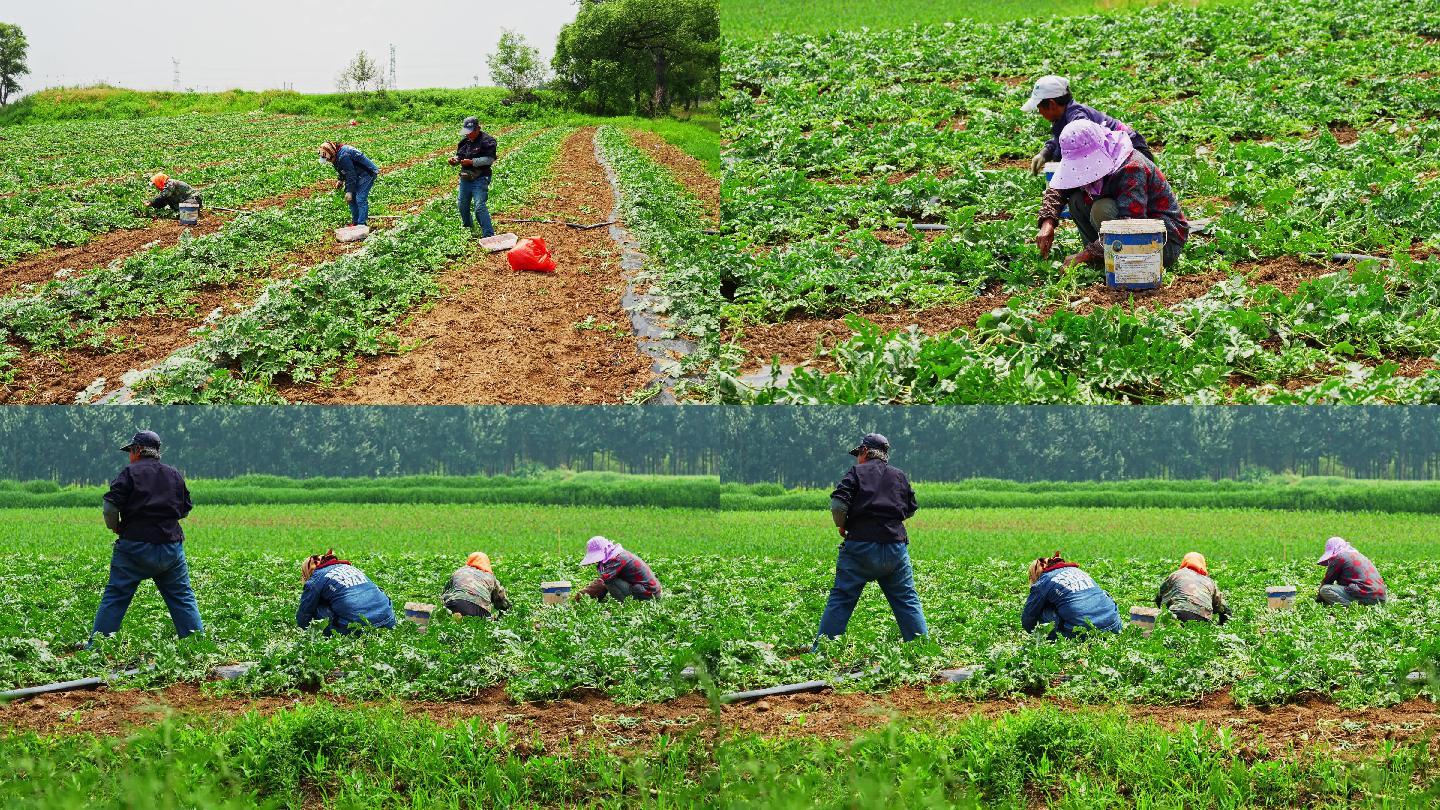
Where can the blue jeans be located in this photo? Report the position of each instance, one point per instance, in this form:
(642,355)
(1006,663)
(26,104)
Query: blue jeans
(887,564)
(360,199)
(477,190)
(133,562)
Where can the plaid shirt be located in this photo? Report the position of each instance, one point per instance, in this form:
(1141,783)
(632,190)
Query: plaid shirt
(629,568)
(1355,573)
(1139,190)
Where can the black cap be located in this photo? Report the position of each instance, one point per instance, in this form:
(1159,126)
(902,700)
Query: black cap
(470,124)
(145,438)
(873,441)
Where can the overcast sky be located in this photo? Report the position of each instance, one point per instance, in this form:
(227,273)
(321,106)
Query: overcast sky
(264,44)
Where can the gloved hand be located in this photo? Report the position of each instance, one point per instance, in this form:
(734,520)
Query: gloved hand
(349,197)
(1037,163)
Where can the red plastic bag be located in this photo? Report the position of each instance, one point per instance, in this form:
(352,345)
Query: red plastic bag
(531,254)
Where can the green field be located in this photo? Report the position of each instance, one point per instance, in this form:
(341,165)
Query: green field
(757,18)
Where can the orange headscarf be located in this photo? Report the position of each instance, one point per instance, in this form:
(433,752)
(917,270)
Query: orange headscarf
(479,559)
(160,180)
(1195,561)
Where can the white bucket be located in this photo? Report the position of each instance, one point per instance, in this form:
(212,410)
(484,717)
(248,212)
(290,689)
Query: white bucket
(1280,597)
(499,242)
(352,233)
(555,593)
(1134,253)
(419,613)
(190,212)
(1144,618)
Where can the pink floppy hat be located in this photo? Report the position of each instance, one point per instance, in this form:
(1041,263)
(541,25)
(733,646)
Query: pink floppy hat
(1089,152)
(598,550)
(1334,546)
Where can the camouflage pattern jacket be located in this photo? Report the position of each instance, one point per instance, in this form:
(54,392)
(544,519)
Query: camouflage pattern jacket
(479,588)
(1193,592)
(174,193)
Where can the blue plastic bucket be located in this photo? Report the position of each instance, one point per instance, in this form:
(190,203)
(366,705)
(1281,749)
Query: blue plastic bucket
(1134,253)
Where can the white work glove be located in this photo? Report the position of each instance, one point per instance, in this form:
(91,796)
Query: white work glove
(349,197)
(1037,163)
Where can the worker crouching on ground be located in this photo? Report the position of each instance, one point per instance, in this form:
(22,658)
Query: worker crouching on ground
(1103,177)
(356,174)
(1349,576)
(1063,594)
(473,589)
(474,155)
(340,592)
(172,192)
(1191,595)
(622,574)
(144,507)
(1052,99)
(869,507)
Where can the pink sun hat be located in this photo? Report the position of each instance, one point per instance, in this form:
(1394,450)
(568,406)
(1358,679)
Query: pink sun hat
(599,550)
(1089,152)
(1334,546)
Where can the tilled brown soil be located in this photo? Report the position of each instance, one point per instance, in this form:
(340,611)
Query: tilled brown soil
(498,336)
(588,716)
(56,377)
(794,341)
(688,171)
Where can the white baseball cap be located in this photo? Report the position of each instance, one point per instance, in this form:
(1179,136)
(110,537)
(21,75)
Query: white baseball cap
(1046,87)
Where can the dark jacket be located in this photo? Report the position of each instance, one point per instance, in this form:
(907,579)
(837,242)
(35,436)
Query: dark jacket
(482,147)
(343,594)
(351,164)
(1069,597)
(1355,573)
(878,500)
(1080,112)
(152,499)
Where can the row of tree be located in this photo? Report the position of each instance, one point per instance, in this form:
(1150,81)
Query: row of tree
(800,446)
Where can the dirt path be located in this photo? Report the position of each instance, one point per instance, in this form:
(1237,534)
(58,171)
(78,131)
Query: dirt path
(498,336)
(588,716)
(688,171)
(794,341)
(55,378)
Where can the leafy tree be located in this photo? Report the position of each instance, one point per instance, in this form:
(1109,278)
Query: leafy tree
(361,75)
(515,65)
(622,55)
(13,49)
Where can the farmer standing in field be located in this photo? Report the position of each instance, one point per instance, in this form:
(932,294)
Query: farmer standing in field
(1350,577)
(172,192)
(621,573)
(474,155)
(144,507)
(869,507)
(1103,177)
(1191,595)
(1063,594)
(342,594)
(356,174)
(473,589)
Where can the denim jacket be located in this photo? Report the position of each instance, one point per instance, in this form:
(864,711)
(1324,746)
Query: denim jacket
(1073,598)
(351,164)
(348,597)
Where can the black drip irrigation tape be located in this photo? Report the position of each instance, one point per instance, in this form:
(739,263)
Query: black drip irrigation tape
(579,225)
(63,686)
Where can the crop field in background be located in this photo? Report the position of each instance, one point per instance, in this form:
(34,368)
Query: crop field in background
(754,19)
(101,298)
(1291,132)
(723,609)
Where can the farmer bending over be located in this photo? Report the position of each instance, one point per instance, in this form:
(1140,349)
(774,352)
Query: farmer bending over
(1061,593)
(355,173)
(473,589)
(1349,576)
(1103,177)
(172,192)
(1051,98)
(340,592)
(474,155)
(869,507)
(622,574)
(144,507)
(1190,593)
